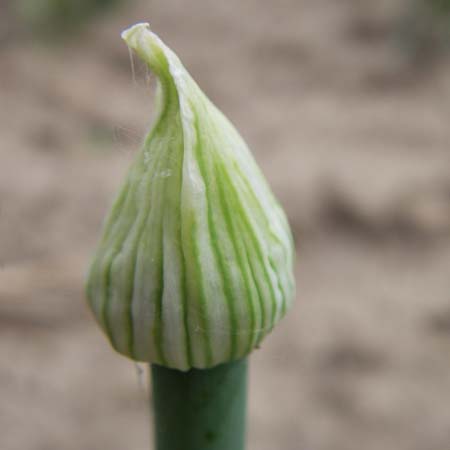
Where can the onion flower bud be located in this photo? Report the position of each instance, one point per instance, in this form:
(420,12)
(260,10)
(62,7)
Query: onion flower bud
(195,265)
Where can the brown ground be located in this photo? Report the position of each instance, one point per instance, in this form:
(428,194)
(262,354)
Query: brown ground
(353,134)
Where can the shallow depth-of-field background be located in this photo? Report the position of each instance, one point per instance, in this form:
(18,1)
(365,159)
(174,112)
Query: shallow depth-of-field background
(346,106)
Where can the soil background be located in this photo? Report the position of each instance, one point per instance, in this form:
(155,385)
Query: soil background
(348,116)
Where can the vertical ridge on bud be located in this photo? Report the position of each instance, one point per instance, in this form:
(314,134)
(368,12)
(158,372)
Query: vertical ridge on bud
(195,264)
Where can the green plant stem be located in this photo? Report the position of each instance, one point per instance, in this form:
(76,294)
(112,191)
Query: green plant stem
(202,409)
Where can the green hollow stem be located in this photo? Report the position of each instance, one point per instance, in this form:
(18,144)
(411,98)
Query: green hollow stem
(201,409)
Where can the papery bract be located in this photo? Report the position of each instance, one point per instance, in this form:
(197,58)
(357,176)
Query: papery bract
(195,264)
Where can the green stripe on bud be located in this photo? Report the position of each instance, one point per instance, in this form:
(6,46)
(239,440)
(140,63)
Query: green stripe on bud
(195,264)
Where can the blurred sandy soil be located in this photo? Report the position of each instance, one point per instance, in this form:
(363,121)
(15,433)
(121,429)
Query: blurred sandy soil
(353,135)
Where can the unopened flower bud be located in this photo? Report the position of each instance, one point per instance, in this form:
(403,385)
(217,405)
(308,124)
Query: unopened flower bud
(195,264)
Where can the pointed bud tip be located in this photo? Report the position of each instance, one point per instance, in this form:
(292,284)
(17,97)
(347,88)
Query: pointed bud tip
(133,33)
(147,45)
